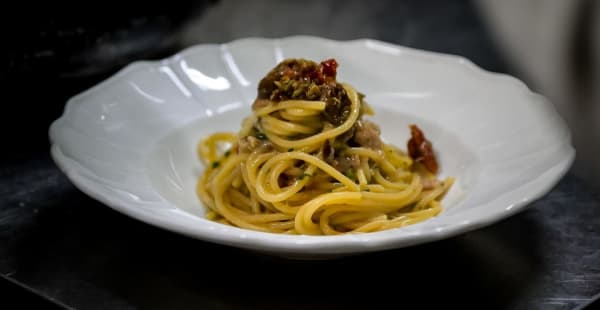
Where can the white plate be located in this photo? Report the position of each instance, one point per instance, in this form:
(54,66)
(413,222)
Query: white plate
(130,141)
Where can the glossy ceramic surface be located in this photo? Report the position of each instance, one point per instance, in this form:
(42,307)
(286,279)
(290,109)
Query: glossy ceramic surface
(130,141)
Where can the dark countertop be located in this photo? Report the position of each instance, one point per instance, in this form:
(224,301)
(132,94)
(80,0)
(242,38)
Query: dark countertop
(57,243)
(79,252)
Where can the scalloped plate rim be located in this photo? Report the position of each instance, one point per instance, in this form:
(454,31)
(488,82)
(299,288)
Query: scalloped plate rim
(314,244)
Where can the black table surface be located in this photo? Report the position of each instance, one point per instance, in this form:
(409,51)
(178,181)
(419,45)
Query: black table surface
(60,248)
(77,251)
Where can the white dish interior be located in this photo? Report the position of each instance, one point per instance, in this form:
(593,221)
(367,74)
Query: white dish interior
(130,141)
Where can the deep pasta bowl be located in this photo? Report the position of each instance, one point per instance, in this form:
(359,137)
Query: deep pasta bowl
(130,142)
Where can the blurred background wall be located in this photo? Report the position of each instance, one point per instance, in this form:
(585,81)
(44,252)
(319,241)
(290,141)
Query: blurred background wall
(555,47)
(53,52)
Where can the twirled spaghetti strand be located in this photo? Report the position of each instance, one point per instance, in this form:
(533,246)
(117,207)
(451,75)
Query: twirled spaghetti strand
(281,179)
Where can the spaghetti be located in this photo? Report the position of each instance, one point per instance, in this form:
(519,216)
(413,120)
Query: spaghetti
(307,162)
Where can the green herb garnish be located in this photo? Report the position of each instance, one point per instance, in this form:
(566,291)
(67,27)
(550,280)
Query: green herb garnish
(350,174)
(227,153)
(261,136)
(215,164)
(291,149)
(305,175)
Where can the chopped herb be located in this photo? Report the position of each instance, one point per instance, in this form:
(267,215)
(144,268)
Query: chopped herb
(305,175)
(261,136)
(313,91)
(291,149)
(298,92)
(350,174)
(366,190)
(215,164)
(227,153)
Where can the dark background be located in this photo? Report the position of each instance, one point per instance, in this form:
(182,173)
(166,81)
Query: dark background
(60,247)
